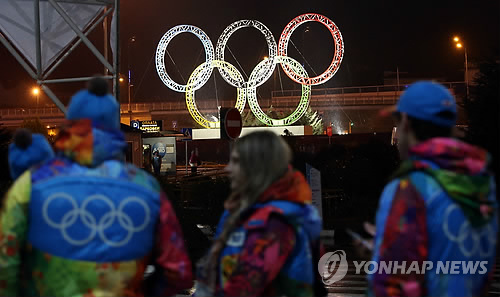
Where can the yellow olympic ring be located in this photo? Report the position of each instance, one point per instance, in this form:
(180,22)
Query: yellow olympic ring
(190,91)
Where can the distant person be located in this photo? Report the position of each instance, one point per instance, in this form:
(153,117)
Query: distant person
(194,161)
(267,241)
(287,132)
(439,206)
(146,156)
(157,159)
(26,151)
(85,223)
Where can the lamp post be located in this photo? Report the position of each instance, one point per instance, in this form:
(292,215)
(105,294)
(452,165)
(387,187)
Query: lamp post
(36,92)
(459,45)
(130,41)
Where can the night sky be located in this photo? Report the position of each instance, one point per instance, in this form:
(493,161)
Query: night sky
(378,36)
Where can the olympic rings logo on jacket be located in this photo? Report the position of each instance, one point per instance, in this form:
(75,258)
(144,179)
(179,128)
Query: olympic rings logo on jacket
(87,218)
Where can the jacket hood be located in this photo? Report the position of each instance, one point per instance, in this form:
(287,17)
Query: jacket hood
(89,144)
(452,155)
(292,187)
(22,158)
(292,197)
(462,171)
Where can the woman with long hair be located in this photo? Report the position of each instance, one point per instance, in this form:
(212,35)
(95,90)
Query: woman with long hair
(267,241)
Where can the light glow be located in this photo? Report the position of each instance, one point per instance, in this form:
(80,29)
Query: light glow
(266,72)
(162,48)
(304,99)
(190,92)
(338,42)
(260,74)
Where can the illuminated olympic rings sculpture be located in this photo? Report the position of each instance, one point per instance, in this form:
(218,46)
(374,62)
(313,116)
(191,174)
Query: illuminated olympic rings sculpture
(277,54)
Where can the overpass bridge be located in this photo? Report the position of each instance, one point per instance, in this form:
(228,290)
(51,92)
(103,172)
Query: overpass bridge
(322,100)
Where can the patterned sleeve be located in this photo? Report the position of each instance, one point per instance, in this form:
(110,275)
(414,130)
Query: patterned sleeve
(264,254)
(405,239)
(13,229)
(171,258)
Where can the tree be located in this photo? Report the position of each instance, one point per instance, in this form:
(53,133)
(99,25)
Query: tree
(482,108)
(274,114)
(313,119)
(249,120)
(35,126)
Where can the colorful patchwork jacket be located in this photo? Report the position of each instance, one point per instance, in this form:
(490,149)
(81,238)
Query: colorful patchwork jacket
(276,250)
(441,206)
(87,224)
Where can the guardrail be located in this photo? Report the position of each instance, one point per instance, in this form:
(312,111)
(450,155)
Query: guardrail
(454,86)
(348,96)
(30,111)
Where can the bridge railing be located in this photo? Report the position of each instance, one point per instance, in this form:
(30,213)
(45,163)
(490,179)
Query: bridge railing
(456,87)
(382,98)
(348,99)
(348,96)
(205,104)
(30,112)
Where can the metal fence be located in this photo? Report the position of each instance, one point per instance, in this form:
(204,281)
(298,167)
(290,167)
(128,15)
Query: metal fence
(348,96)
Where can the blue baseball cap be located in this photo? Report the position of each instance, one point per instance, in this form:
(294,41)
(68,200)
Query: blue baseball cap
(429,101)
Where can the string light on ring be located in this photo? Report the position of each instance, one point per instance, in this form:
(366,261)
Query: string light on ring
(277,54)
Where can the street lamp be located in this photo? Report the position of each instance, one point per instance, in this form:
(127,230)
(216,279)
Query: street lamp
(459,45)
(36,92)
(130,41)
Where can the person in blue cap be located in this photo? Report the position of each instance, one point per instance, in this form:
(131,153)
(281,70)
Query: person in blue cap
(84,222)
(437,220)
(26,151)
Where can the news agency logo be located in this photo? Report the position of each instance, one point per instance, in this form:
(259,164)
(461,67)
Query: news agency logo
(422,267)
(333,267)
